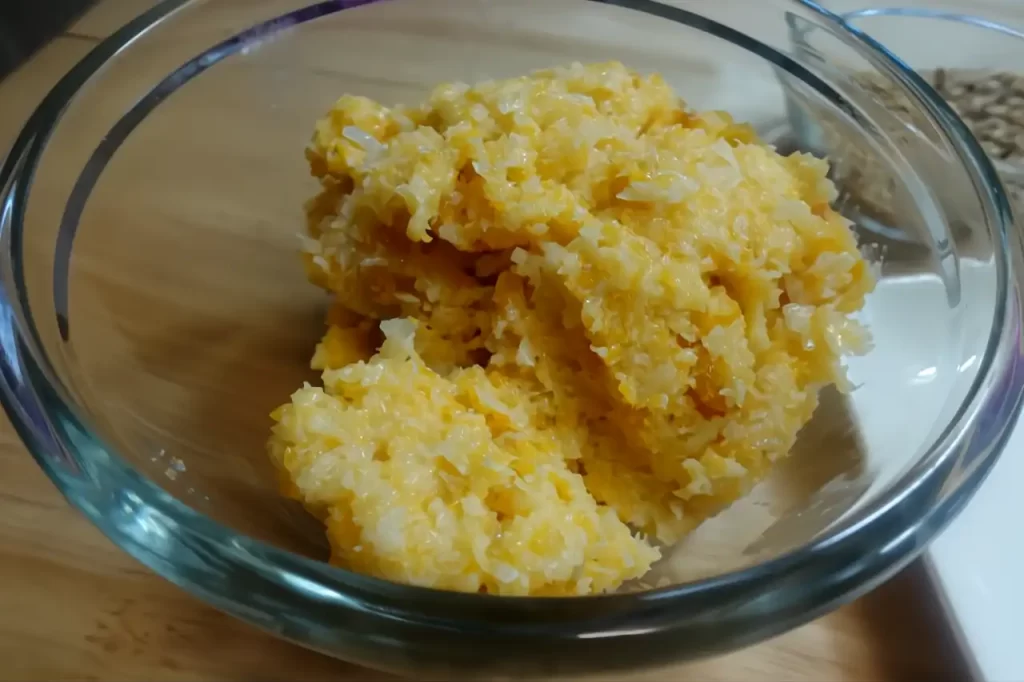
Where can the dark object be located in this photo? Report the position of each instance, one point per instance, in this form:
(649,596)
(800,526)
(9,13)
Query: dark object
(27,25)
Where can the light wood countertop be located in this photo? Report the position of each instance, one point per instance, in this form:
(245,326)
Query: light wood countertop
(74,607)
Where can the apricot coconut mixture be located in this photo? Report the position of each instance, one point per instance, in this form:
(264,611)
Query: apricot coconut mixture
(571,319)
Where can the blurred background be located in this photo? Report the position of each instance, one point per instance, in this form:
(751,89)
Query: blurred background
(26,25)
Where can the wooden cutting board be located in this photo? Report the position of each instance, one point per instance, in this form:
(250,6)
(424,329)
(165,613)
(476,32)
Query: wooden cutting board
(74,607)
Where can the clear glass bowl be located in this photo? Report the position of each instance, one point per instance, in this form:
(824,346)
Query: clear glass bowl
(972,42)
(155,310)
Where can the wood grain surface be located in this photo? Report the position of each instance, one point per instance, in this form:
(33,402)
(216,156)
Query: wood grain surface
(74,607)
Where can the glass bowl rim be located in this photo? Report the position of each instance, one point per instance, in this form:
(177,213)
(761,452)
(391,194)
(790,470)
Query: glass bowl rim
(815,576)
(974,20)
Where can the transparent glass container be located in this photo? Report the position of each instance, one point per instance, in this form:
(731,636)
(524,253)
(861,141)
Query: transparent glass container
(979,46)
(155,311)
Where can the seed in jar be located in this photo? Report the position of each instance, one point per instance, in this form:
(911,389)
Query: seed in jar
(992,149)
(995,109)
(991,104)
(958,91)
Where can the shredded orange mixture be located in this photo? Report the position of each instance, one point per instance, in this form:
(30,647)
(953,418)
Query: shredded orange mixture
(572,319)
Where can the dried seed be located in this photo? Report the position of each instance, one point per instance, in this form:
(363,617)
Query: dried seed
(999,110)
(980,102)
(987,86)
(992,149)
